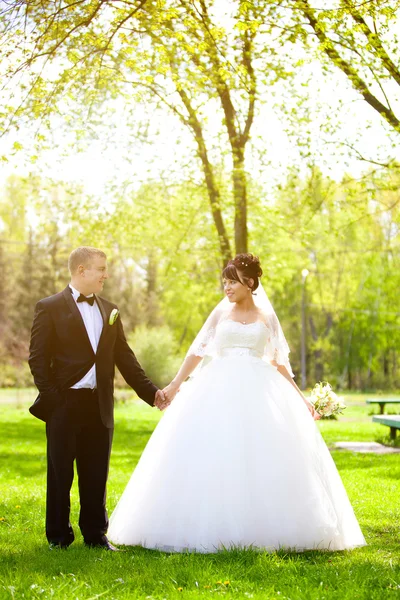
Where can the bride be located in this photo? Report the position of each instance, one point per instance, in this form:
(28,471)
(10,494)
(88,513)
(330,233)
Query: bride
(237,460)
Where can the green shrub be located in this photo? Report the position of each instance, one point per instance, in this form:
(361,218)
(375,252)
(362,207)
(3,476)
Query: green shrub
(157,351)
(15,375)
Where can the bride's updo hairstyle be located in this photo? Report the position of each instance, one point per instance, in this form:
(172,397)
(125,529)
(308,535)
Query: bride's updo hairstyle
(249,267)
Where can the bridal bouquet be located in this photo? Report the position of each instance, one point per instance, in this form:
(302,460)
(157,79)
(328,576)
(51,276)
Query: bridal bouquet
(325,401)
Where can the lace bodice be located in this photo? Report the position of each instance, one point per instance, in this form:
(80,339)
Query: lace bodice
(234,338)
(222,336)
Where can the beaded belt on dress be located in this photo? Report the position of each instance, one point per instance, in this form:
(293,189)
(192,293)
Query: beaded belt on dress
(239,351)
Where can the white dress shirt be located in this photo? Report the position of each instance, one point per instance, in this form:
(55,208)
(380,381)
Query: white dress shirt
(93,321)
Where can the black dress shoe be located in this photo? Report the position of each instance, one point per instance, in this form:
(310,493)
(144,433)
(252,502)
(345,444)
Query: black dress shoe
(104,545)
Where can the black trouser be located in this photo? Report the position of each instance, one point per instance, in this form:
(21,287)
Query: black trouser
(75,431)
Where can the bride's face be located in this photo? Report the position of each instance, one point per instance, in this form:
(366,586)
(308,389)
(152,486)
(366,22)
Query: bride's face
(236,291)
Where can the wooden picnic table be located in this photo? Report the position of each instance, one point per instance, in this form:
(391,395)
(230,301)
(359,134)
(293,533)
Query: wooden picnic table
(392,421)
(382,402)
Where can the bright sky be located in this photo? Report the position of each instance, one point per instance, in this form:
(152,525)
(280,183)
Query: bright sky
(101,162)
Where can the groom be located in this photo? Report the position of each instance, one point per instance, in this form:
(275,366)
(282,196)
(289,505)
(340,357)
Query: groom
(77,339)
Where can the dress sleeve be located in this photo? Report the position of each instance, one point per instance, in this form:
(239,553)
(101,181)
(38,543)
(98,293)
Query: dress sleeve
(203,343)
(277,349)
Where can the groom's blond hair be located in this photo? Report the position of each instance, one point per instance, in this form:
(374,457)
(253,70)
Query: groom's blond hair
(83,256)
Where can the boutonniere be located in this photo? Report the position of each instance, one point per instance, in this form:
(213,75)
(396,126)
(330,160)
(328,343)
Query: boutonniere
(113,316)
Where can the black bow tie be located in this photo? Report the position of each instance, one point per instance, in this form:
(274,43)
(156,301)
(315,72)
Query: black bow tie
(83,298)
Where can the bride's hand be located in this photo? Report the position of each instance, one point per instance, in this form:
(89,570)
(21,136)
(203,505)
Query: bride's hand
(171,390)
(315,415)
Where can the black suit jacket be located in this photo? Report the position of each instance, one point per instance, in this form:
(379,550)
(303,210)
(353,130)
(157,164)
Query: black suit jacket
(61,354)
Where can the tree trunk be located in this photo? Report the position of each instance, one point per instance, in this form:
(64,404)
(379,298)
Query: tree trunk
(213,193)
(318,354)
(3,285)
(349,378)
(240,199)
(152,301)
(215,203)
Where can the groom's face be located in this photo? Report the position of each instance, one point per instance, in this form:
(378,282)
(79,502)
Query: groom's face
(94,275)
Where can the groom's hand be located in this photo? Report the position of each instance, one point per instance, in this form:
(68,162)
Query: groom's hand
(160,401)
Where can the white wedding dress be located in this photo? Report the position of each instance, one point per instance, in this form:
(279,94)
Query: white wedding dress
(236,461)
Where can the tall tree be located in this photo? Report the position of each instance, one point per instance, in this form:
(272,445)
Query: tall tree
(180,54)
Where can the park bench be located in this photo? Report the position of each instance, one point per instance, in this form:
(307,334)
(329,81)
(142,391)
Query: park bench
(382,402)
(392,421)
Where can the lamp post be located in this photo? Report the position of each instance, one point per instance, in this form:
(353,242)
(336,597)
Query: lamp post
(304,274)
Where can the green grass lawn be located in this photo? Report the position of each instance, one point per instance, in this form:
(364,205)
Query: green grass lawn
(28,569)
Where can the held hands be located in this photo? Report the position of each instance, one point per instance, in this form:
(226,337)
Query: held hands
(171,390)
(164,397)
(160,401)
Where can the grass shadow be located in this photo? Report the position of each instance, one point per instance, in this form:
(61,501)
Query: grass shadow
(23,464)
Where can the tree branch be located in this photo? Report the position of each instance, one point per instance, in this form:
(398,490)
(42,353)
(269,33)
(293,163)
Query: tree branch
(357,82)
(247,49)
(85,22)
(222,87)
(375,42)
(361,157)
